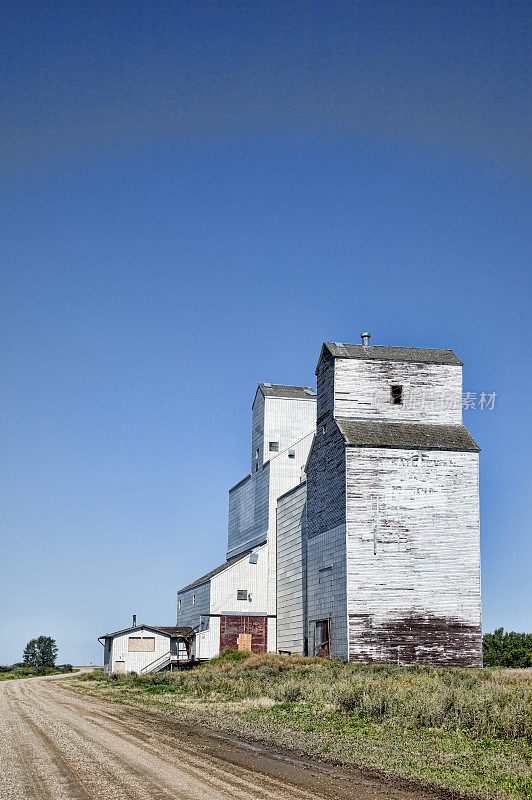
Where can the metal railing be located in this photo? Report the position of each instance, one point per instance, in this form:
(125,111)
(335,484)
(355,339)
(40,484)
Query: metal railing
(171,657)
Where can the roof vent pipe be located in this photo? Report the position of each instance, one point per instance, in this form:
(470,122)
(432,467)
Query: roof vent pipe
(134,620)
(365,338)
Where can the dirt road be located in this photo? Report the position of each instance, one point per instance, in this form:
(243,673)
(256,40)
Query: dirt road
(55,745)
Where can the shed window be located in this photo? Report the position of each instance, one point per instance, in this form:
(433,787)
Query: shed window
(291,454)
(138,644)
(396,395)
(193,599)
(241,594)
(256,467)
(257,453)
(274,447)
(324,429)
(179,603)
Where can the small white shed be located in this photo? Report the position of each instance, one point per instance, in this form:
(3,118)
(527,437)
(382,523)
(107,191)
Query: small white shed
(146,648)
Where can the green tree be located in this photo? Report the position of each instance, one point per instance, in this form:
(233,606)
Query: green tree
(41,652)
(507,649)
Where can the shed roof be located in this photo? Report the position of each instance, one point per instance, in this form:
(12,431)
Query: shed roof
(407,435)
(221,568)
(289,392)
(167,630)
(423,355)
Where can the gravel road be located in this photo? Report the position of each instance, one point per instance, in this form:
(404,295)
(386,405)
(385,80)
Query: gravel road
(56,745)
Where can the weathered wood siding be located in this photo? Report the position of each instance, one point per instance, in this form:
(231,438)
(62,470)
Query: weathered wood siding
(326,463)
(413,556)
(292,570)
(326,588)
(432,393)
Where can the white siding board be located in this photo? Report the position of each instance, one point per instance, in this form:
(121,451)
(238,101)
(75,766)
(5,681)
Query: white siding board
(223,599)
(417,598)
(432,393)
(134,662)
(291,571)
(328,600)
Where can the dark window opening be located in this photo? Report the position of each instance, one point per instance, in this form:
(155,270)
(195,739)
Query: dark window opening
(274,447)
(291,454)
(396,395)
(256,467)
(324,429)
(241,594)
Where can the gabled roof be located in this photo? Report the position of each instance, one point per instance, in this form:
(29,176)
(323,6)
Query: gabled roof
(423,355)
(406,435)
(289,392)
(221,568)
(167,630)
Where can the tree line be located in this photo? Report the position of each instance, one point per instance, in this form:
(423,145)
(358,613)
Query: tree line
(507,649)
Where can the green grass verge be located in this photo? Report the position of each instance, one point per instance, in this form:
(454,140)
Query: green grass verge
(469,731)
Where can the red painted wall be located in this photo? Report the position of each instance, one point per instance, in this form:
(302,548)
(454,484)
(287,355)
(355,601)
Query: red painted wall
(230,627)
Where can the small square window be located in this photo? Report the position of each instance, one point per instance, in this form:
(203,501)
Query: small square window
(396,395)
(274,447)
(241,594)
(291,454)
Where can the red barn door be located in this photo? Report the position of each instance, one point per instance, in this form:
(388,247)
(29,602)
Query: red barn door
(232,626)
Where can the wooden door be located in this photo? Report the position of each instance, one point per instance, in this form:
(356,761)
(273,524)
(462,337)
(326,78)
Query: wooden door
(323,637)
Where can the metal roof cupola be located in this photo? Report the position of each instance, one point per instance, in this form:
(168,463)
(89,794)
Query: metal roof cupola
(365,338)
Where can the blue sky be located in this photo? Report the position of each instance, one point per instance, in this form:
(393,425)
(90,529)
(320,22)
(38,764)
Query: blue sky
(193,197)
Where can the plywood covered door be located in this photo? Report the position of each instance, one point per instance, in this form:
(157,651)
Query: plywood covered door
(120,666)
(232,626)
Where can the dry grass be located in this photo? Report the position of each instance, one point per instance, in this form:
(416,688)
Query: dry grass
(467,730)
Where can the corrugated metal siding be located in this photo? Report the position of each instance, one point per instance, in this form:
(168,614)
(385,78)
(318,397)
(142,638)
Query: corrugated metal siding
(417,598)
(248,512)
(257,432)
(291,571)
(189,613)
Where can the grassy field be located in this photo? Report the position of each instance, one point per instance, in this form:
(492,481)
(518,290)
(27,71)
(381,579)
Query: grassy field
(469,731)
(21,671)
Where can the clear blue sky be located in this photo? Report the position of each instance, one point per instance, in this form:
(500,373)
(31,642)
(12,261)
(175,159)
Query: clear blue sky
(194,195)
